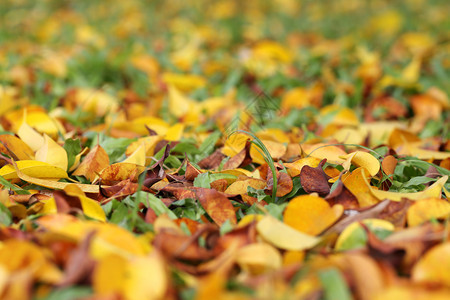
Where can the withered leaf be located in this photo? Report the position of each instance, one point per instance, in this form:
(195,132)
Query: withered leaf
(218,206)
(314,180)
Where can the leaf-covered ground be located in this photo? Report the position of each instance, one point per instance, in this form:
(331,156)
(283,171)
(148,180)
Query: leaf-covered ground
(224,149)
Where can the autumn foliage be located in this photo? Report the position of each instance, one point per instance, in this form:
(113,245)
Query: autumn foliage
(224,150)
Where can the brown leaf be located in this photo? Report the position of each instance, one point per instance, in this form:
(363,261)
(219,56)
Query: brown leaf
(284,184)
(186,247)
(212,161)
(79,265)
(241,159)
(191,171)
(395,212)
(315,179)
(365,213)
(96,160)
(218,206)
(341,195)
(219,185)
(120,190)
(381,250)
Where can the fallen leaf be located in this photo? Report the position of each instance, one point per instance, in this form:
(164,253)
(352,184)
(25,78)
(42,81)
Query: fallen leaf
(283,236)
(357,184)
(33,168)
(365,160)
(20,149)
(117,172)
(258,258)
(354,235)
(52,153)
(311,214)
(314,180)
(427,209)
(433,266)
(218,207)
(96,160)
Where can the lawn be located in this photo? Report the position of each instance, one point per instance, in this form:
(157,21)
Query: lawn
(224,149)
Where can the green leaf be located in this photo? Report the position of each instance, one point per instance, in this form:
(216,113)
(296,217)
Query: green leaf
(70,293)
(276,210)
(203,180)
(16,189)
(334,285)
(73,148)
(157,205)
(418,181)
(226,227)
(5,215)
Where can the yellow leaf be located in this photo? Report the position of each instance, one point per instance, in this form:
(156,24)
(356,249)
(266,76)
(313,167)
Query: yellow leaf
(36,117)
(77,160)
(293,257)
(137,157)
(18,256)
(130,278)
(49,206)
(149,142)
(340,115)
(52,184)
(21,150)
(91,208)
(108,239)
(30,136)
(235,143)
(433,191)
(311,214)
(33,168)
(321,151)
(184,82)
(365,160)
(240,186)
(143,270)
(109,275)
(179,105)
(283,236)
(175,132)
(96,102)
(427,209)
(52,153)
(258,258)
(433,266)
(295,168)
(276,150)
(247,219)
(357,183)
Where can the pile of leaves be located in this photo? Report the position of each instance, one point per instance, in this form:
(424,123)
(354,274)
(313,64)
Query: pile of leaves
(225,149)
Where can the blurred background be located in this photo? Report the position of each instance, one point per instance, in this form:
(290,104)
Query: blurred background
(351,53)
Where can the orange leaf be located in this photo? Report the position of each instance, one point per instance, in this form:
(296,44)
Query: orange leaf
(96,160)
(218,207)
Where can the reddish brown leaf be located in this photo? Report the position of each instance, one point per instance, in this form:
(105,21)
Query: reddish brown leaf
(212,161)
(191,171)
(315,179)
